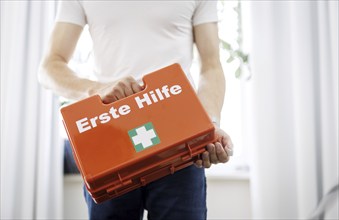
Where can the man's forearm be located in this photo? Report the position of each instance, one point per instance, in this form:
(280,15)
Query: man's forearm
(211,90)
(55,74)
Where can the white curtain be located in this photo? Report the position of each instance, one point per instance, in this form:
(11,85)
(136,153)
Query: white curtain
(31,150)
(291,110)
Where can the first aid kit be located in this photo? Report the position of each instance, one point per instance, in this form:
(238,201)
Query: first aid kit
(131,142)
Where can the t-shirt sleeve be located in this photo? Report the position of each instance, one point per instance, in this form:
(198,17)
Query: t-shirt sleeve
(71,11)
(205,12)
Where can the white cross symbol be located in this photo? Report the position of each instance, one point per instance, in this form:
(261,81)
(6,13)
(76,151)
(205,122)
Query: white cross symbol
(144,137)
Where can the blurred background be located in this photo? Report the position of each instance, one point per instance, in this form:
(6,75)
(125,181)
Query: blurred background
(280,60)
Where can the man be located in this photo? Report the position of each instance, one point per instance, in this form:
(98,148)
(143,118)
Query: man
(132,38)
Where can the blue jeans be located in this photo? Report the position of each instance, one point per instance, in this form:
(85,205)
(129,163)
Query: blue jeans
(174,197)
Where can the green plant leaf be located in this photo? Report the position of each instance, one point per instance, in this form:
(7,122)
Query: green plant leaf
(238,72)
(245,58)
(236,9)
(225,45)
(230,59)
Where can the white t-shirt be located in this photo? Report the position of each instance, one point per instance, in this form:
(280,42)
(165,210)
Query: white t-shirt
(138,37)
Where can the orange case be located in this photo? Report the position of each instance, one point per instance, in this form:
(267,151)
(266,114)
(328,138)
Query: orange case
(124,145)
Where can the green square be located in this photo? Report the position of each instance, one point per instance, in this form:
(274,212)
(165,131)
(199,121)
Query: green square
(143,137)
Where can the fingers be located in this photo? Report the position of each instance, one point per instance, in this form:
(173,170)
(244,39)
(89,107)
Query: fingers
(228,145)
(215,154)
(221,154)
(109,98)
(125,87)
(211,148)
(136,87)
(206,160)
(198,163)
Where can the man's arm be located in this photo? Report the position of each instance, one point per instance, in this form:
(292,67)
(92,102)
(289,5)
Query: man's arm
(211,91)
(55,74)
(211,88)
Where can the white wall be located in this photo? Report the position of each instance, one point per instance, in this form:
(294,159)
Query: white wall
(74,202)
(227,198)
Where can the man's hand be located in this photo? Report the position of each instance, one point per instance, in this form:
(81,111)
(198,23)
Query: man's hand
(119,89)
(217,152)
